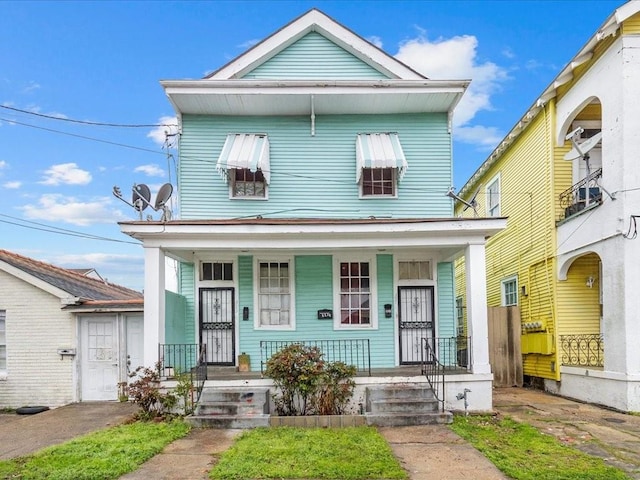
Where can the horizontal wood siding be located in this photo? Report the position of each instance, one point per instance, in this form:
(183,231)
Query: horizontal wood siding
(446,322)
(187,287)
(631,26)
(383,340)
(246,339)
(315,176)
(579,305)
(315,57)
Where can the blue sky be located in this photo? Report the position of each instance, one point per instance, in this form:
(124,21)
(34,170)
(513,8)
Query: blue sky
(102,62)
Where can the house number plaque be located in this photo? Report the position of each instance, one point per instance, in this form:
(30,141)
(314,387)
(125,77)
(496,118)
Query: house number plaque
(325,314)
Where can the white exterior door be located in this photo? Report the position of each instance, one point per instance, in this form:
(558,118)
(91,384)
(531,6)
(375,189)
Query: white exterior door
(99,358)
(135,344)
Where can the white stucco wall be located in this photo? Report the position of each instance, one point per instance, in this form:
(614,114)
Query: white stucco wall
(36,328)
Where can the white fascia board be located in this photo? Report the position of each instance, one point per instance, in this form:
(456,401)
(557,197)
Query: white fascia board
(64,296)
(299,236)
(315,21)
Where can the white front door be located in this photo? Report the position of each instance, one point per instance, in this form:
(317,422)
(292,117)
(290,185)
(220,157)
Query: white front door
(135,344)
(99,358)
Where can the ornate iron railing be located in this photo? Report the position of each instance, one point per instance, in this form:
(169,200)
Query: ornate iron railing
(581,195)
(585,350)
(354,352)
(442,355)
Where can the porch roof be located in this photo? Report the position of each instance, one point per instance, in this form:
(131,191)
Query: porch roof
(182,237)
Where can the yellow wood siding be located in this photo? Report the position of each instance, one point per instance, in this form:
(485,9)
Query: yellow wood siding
(579,304)
(631,25)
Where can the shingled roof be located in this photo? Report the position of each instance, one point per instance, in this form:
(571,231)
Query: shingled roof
(87,289)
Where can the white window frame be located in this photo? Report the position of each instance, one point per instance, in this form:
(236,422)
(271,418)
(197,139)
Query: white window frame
(373,292)
(494,210)
(459,315)
(256,292)
(394,180)
(503,294)
(3,343)
(232,183)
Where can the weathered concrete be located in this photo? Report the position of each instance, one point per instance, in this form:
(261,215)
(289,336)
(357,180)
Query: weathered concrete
(24,434)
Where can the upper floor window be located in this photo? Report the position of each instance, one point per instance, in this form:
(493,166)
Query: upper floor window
(274,294)
(3,340)
(244,164)
(378,182)
(380,164)
(510,291)
(245,183)
(493,197)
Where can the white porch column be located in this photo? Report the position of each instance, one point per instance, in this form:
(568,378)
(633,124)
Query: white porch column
(153,304)
(477,321)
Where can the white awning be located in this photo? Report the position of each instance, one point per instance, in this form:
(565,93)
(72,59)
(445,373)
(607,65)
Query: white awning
(379,150)
(245,150)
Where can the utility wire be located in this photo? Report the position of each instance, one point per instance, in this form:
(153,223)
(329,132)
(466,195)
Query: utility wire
(85,122)
(61,231)
(84,137)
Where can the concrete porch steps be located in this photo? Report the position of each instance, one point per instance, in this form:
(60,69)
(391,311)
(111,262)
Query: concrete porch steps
(242,407)
(403,404)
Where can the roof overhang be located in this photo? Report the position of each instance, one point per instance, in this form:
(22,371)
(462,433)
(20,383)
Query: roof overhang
(184,237)
(303,97)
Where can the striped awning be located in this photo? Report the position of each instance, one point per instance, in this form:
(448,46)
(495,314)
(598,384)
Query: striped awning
(379,150)
(245,150)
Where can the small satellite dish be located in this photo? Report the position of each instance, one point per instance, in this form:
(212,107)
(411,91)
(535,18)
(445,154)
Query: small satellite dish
(163,195)
(141,197)
(580,150)
(472,203)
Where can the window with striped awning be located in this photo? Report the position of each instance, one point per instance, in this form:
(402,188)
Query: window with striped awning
(244,164)
(380,163)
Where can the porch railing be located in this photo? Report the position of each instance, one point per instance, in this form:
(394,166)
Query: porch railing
(354,352)
(585,350)
(177,359)
(581,195)
(440,356)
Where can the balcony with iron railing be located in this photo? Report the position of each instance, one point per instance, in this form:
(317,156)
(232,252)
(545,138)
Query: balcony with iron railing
(585,350)
(582,196)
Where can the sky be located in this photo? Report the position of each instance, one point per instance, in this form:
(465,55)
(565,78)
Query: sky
(82,109)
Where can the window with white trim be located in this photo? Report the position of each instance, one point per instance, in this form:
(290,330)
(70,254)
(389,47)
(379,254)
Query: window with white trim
(378,182)
(247,184)
(414,270)
(222,271)
(510,291)
(355,294)
(3,340)
(460,315)
(493,197)
(274,294)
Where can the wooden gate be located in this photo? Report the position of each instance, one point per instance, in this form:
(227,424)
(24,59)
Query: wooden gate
(504,346)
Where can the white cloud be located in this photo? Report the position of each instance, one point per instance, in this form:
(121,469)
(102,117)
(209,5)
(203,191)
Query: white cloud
(456,58)
(31,87)
(122,269)
(66,174)
(58,208)
(3,165)
(168,126)
(485,137)
(248,44)
(151,170)
(12,185)
(377,41)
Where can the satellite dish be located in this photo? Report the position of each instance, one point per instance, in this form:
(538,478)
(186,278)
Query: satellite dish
(140,197)
(163,196)
(452,194)
(472,203)
(580,150)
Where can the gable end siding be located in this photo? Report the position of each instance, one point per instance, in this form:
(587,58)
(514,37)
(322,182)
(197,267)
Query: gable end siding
(314,56)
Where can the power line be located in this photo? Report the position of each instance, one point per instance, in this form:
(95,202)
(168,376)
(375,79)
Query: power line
(84,137)
(61,231)
(85,122)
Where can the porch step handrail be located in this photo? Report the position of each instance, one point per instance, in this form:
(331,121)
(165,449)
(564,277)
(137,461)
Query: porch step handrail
(433,370)
(354,352)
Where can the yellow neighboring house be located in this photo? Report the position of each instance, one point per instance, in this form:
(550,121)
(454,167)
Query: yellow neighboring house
(567,176)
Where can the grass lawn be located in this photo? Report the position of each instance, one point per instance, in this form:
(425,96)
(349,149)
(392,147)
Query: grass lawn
(106,454)
(319,453)
(523,453)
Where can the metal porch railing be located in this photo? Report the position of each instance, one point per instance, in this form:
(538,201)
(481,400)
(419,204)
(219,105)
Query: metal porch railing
(586,350)
(176,359)
(354,352)
(582,195)
(440,356)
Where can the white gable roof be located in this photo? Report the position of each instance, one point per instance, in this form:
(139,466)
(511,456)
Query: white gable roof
(316,21)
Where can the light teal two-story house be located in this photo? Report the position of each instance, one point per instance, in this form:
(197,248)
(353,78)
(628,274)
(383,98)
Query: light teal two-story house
(312,179)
